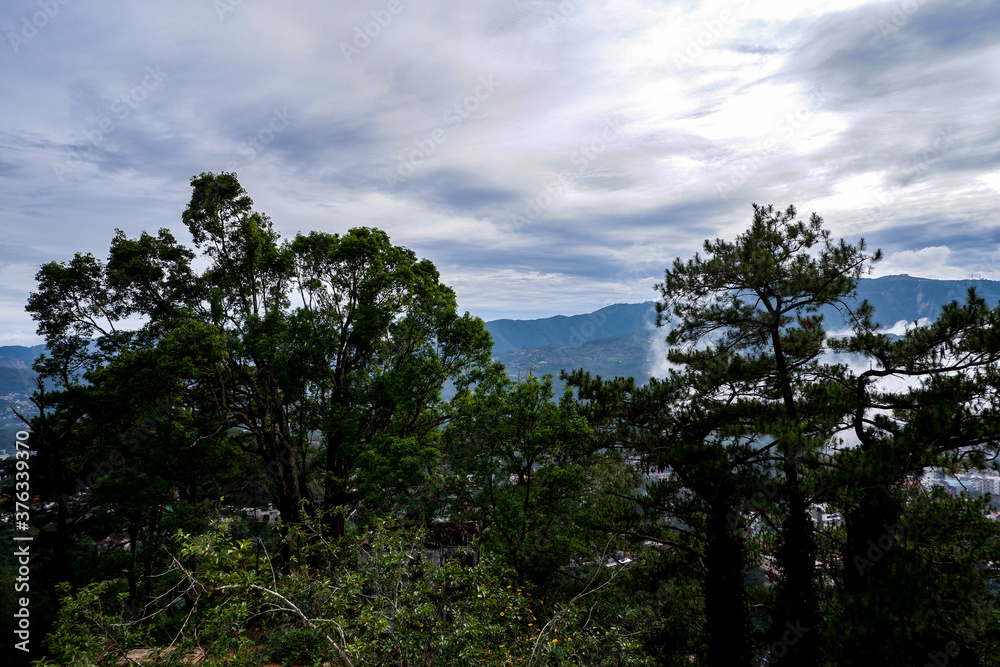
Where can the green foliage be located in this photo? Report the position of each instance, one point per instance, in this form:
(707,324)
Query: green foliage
(222,388)
(750,431)
(524,467)
(384,335)
(295,646)
(361,359)
(383,601)
(663,523)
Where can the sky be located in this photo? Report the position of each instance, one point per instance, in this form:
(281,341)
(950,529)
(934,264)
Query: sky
(550,157)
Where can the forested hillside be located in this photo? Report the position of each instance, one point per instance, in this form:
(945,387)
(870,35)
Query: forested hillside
(267,471)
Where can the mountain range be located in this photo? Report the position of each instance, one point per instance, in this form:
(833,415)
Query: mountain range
(622,339)
(618,340)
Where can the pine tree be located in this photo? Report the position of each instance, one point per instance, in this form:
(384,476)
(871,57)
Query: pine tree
(747,418)
(913,562)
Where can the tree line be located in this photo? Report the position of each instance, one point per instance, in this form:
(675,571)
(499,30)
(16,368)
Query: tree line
(663,523)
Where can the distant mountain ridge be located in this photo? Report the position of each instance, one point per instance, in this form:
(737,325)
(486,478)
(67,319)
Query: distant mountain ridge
(904,297)
(16,376)
(615,339)
(621,320)
(895,298)
(10,354)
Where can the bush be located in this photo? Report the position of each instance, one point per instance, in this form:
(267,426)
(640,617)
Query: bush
(296,646)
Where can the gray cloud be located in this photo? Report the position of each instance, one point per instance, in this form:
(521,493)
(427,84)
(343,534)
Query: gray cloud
(836,107)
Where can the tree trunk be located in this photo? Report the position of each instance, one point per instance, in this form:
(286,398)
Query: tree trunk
(795,631)
(726,607)
(288,483)
(133,595)
(868,558)
(336,492)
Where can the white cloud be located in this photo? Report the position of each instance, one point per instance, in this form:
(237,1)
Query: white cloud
(721,118)
(933,262)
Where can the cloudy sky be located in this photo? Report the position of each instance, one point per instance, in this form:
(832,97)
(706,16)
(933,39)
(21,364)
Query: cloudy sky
(549,157)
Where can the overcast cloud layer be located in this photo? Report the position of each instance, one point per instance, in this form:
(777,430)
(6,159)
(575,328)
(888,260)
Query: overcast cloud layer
(549,157)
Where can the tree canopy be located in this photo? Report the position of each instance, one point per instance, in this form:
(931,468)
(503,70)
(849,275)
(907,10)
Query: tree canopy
(763,501)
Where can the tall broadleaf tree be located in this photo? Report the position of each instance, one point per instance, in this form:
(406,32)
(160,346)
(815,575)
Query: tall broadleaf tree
(361,356)
(112,412)
(383,336)
(245,300)
(529,471)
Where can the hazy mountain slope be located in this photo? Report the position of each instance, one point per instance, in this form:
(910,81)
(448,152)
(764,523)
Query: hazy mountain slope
(16,376)
(607,357)
(895,298)
(616,340)
(906,298)
(623,320)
